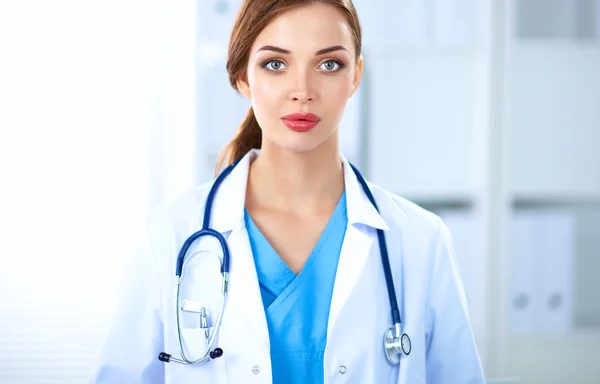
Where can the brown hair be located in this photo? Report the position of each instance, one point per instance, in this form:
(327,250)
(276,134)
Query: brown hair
(252,17)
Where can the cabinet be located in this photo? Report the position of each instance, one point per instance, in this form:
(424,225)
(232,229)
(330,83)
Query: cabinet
(552,134)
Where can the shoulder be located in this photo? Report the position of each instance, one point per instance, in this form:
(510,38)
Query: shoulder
(401,214)
(418,238)
(179,213)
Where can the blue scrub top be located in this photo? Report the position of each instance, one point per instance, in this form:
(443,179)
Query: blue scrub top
(297,306)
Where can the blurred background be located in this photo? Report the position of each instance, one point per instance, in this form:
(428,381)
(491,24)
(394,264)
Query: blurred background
(486,112)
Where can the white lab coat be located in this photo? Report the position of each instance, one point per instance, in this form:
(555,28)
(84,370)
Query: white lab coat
(429,290)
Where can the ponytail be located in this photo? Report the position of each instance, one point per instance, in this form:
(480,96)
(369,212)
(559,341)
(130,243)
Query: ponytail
(248,136)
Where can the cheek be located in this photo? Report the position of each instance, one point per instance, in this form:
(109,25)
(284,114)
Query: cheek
(336,94)
(263,90)
(264,95)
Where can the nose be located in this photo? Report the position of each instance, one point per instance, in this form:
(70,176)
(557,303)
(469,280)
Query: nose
(300,97)
(303,92)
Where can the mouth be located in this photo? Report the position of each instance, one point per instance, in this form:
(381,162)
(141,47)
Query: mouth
(301,122)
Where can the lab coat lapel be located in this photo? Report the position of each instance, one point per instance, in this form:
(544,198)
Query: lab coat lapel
(355,252)
(244,290)
(244,302)
(363,221)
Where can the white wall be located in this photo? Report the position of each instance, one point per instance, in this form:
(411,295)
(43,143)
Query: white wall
(76,111)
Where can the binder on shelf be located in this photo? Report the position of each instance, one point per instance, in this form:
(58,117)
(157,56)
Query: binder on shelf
(521,284)
(542,252)
(555,260)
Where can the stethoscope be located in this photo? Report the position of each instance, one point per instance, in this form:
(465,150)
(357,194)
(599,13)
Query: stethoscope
(395,342)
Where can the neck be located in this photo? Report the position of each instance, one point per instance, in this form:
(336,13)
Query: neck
(293,182)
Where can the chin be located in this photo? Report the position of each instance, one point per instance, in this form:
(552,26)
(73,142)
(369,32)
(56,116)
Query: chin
(306,146)
(298,147)
(302,142)
(299,143)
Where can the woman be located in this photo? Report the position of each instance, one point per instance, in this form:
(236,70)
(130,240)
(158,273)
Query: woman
(307,298)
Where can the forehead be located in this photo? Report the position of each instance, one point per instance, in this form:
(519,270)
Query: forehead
(307,28)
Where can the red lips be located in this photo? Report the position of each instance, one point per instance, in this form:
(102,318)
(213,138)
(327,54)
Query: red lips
(301,122)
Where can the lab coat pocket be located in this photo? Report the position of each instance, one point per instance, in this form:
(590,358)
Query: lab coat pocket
(200,288)
(194,342)
(194,346)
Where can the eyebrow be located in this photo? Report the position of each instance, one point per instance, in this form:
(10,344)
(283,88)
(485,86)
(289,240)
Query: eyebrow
(287,52)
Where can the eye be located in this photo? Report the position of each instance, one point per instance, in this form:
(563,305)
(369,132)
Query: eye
(332,65)
(273,65)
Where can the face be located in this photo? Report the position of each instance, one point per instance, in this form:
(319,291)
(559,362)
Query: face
(303,62)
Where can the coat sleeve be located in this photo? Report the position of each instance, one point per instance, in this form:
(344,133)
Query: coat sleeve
(452,355)
(135,335)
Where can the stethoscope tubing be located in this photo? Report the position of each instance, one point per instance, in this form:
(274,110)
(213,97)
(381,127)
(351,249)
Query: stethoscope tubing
(206,231)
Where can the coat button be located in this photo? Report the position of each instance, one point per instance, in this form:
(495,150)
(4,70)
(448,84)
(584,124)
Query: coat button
(343,369)
(256,369)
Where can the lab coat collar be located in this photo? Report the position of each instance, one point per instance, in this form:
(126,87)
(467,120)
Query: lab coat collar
(228,209)
(360,210)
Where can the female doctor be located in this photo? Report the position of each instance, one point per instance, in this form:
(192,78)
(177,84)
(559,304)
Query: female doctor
(311,288)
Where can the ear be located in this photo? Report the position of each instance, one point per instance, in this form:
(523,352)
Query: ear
(357,75)
(244,88)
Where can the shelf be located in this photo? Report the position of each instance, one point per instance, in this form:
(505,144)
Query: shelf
(553,251)
(543,200)
(434,202)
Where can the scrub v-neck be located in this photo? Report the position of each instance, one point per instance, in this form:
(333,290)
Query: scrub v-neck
(297,306)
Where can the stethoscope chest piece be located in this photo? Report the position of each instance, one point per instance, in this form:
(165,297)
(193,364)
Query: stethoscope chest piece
(395,345)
